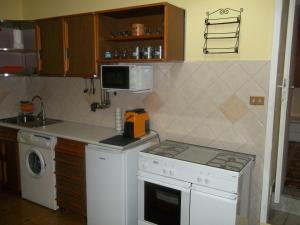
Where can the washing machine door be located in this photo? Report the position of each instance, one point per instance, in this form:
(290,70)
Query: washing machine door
(35,163)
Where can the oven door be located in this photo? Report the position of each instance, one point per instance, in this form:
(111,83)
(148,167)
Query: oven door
(162,200)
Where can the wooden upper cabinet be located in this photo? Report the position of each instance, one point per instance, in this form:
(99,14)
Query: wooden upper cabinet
(50,47)
(67,46)
(81,49)
(164,27)
(74,45)
(174,30)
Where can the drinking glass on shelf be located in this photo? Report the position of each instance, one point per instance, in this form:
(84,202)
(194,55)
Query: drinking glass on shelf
(135,52)
(108,54)
(148,30)
(113,34)
(124,54)
(116,54)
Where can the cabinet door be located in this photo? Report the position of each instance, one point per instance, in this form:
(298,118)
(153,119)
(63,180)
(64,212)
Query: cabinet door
(70,175)
(211,209)
(11,166)
(174,30)
(80,45)
(50,46)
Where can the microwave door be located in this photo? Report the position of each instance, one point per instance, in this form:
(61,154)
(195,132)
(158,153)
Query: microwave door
(115,77)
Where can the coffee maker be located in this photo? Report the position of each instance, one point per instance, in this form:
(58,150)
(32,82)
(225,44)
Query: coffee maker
(136,123)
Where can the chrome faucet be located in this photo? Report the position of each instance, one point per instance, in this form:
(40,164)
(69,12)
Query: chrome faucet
(41,115)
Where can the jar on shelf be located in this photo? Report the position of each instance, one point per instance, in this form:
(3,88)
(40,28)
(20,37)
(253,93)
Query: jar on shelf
(136,52)
(124,54)
(147,52)
(116,54)
(138,29)
(107,54)
(158,52)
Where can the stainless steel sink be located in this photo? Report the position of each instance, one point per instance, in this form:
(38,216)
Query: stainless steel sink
(29,121)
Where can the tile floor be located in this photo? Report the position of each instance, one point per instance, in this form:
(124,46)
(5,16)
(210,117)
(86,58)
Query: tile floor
(284,218)
(16,211)
(293,166)
(292,192)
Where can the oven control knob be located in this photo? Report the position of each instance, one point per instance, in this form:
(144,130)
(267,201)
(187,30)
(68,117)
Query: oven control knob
(206,181)
(172,172)
(145,165)
(199,179)
(164,171)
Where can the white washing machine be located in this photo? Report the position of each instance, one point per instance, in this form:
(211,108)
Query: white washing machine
(37,165)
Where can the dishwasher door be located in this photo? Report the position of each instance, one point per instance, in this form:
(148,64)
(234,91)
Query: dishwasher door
(105,187)
(212,207)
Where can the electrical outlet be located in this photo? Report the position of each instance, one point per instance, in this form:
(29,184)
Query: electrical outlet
(257,100)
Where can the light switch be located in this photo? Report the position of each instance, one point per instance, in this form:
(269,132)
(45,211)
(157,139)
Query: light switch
(257,100)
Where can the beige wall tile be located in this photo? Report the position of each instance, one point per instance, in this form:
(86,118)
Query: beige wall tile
(234,108)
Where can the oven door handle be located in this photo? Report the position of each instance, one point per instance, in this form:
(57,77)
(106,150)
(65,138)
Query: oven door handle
(184,187)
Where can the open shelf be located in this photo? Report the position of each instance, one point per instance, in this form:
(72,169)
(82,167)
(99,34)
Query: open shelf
(17,48)
(130,60)
(217,45)
(137,38)
(162,27)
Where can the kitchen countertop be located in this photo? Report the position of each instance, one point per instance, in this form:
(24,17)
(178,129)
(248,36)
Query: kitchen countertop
(87,133)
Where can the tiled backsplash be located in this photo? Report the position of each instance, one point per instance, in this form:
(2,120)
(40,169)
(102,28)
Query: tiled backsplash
(204,103)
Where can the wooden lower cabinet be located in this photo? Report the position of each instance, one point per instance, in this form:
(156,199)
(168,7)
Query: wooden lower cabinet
(9,160)
(70,175)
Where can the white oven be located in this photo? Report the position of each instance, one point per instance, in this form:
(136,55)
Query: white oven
(162,200)
(184,184)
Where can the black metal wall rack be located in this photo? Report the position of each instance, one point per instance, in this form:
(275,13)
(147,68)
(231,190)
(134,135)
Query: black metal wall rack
(232,17)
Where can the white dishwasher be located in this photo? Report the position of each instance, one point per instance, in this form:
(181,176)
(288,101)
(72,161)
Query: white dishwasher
(111,182)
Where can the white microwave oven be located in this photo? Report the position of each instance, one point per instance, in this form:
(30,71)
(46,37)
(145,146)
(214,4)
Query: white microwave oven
(135,78)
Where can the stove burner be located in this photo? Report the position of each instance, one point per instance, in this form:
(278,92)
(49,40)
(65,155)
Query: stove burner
(228,162)
(168,150)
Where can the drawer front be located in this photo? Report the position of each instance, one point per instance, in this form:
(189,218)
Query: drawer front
(71,202)
(75,173)
(8,134)
(70,147)
(69,159)
(72,186)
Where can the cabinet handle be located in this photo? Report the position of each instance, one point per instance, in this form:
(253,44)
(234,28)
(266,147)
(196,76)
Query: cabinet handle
(102,158)
(66,60)
(66,45)
(67,53)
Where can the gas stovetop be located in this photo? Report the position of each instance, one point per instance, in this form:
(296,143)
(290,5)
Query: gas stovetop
(218,158)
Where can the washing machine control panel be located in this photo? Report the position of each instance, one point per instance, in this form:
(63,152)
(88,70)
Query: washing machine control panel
(36,139)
